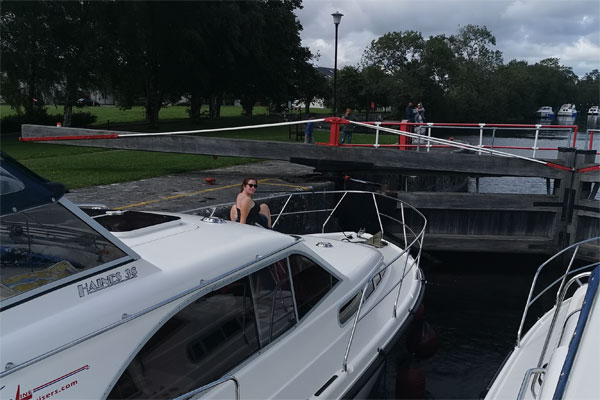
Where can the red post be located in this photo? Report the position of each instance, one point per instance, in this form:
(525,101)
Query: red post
(334,132)
(404,141)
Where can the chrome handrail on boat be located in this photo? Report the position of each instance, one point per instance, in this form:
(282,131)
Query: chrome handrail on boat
(530,299)
(528,375)
(416,240)
(211,385)
(559,302)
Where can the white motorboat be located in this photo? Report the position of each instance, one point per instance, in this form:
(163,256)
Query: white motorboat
(545,112)
(593,110)
(567,110)
(134,305)
(558,357)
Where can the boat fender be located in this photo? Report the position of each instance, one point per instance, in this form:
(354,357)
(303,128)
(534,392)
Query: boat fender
(422,340)
(410,383)
(420,313)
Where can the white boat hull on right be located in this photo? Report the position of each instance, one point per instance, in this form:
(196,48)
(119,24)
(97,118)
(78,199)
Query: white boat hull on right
(558,358)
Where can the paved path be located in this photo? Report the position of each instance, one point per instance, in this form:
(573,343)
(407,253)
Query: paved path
(188,191)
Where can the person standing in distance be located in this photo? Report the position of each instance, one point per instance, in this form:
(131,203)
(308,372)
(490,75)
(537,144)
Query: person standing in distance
(348,128)
(308,132)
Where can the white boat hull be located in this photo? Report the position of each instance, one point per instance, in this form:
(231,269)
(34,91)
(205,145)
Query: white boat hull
(174,310)
(558,358)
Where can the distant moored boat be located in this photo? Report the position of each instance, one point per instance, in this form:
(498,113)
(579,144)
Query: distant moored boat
(593,110)
(567,110)
(545,112)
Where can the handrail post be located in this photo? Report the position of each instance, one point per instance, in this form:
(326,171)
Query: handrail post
(481,125)
(362,299)
(575,128)
(429,125)
(377,134)
(334,130)
(404,140)
(537,134)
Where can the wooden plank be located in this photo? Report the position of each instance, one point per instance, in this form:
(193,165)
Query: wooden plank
(487,201)
(490,244)
(382,158)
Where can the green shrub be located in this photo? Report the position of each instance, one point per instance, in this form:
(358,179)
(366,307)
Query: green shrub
(82,119)
(12,123)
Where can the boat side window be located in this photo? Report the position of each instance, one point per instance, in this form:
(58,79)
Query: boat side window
(311,283)
(351,306)
(217,332)
(274,305)
(195,347)
(44,244)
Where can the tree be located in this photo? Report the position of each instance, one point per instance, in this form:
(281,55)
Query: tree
(78,48)
(377,86)
(554,84)
(210,44)
(147,64)
(588,90)
(27,61)
(476,62)
(394,51)
(350,89)
(310,84)
(515,91)
(398,55)
(272,56)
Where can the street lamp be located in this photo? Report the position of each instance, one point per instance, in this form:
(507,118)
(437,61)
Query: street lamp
(337,18)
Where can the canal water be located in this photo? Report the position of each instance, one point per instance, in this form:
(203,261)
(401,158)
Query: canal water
(473,302)
(473,307)
(547,139)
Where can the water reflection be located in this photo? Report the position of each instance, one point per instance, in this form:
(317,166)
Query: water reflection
(565,120)
(584,121)
(593,122)
(545,121)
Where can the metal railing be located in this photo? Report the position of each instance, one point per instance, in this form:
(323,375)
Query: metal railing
(574,248)
(211,385)
(406,132)
(420,136)
(561,294)
(328,207)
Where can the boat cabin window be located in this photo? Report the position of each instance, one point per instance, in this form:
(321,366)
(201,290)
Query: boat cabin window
(41,245)
(311,283)
(217,332)
(274,305)
(351,306)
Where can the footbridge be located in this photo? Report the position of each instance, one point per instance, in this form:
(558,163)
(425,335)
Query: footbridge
(428,170)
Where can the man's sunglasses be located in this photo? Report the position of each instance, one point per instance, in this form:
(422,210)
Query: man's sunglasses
(252,185)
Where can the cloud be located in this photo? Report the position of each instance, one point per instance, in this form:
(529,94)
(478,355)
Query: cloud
(529,30)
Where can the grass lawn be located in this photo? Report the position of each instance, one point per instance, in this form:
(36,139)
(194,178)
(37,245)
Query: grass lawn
(78,167)
(135,114)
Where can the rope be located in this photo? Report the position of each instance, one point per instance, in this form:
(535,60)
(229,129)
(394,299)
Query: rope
(449,142)
(221,129)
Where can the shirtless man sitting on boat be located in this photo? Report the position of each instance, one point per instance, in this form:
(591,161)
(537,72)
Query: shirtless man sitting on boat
(246,211)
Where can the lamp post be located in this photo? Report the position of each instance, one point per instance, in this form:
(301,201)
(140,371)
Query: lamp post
(337,18)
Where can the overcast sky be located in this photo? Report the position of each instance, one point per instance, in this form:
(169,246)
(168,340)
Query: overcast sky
(528,30)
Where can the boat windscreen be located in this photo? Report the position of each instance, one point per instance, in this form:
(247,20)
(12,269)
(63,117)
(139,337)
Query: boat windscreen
(21,189)
(46,244)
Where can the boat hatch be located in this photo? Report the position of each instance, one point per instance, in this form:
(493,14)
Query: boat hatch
(132,220)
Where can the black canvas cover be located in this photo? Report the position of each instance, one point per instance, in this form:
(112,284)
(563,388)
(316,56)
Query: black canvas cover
(21,189)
